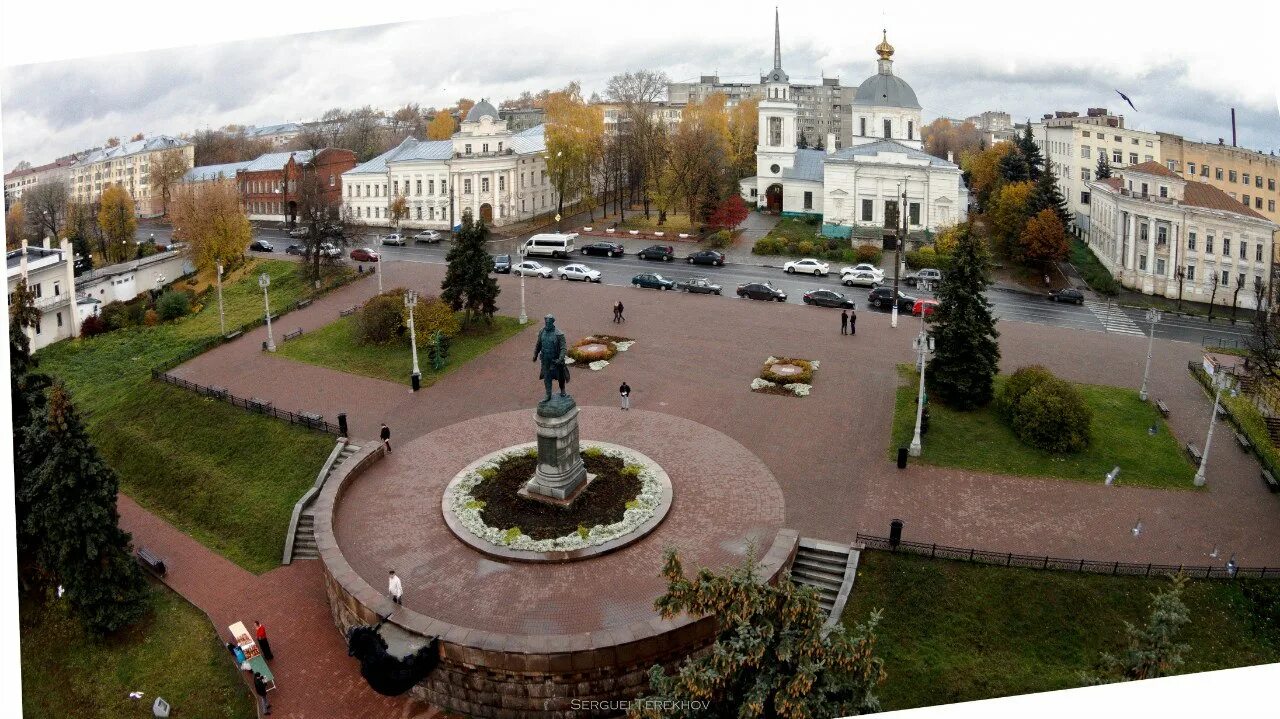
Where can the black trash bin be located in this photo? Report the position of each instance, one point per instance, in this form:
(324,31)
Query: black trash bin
(895,533)
(342,424)
(902,458)
(415,379)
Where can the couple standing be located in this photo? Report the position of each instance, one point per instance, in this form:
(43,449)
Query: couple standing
(617,312)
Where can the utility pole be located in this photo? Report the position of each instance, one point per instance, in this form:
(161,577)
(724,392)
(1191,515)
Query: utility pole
(1219,380)
(222,316)
(1153,316)
(897,253)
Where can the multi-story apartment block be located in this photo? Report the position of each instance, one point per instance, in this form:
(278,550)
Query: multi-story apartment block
(278,135)
(269,185)
(1072,144)
(1247,176)
(127,164)
(50,274)
(18,180)
(615,117)
(521,119)
(215,173)
(823,109)
(1161,234)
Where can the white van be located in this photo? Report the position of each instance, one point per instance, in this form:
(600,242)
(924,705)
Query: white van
(550,245)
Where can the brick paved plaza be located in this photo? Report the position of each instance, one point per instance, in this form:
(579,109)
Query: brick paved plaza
(693,361)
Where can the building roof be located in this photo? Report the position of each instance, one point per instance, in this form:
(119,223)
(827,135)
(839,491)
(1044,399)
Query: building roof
(480,109)
(531,141)
(886,90)
(1201,195)
(525,142)
(808,166)
(273,129)
(872,149)
(1152,168)
(277,160)
(62,162)
(412,149)
(205,173)
(125,149)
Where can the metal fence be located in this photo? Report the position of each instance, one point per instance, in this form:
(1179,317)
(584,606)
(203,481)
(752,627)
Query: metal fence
(253,404)
(1090,566)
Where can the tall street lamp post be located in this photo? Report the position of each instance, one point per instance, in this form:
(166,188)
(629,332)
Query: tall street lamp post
(524,318)
(410,302)
(1153,317)
(264,281)
(222,315)
(1219,381)
(924,345)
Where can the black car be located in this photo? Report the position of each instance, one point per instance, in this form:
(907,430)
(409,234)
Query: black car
(1067,295)
(261,246)
(761,291)
(699,286)
(502,264)
(706,257)
(880,298)
(653,281)
(662,253)
(607,249)
(295,250)
(827,298)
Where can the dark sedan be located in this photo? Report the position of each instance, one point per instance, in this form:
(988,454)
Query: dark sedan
(699,286)
(653,281)
(881,298)
(827,298)
(761,291)
(604,249)
(261,246)
(661,253)
(1067,295)
(706,257)
(502,264)
(295,250)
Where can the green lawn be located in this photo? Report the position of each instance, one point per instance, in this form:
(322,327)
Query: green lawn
(1250,420)
(172,653)
(335,346)
(225,476)
(955,631)
(982,441)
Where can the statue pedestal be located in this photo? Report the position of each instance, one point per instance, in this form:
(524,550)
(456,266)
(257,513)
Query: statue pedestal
(561,475)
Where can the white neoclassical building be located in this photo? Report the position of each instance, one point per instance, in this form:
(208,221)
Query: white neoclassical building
(1148,225)
(855,189)
(497,175)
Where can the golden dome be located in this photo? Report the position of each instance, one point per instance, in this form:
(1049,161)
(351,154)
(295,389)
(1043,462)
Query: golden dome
(884,49)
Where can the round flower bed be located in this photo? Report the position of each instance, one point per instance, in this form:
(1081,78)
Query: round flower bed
(592,349)
(785,376)
(625,495)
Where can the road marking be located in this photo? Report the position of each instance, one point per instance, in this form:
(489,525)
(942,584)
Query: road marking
(1113,318)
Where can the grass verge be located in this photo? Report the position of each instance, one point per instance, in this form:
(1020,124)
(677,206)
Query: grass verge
(981,441)
(1247,419)
(1094,274)
(335,346)
(227,477)
(955,631)
(173,653)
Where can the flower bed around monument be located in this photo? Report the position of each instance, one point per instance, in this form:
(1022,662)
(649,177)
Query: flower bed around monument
(785,376)
(623,497)
(595,351)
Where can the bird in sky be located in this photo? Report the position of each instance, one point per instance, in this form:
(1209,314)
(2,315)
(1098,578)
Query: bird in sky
(1126,99)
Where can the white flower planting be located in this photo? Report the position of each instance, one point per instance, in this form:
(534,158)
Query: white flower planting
(643,507)
(568,360)
(599,365)
(813,363)
(624,346)
(759,383)
(799,389)
(771,360)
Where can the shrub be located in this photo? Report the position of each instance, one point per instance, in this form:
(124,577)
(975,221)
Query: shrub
(1017,385)
(720,239)
(137,311)
(1053,416)
(380,320)
(804,248)
(173,305)
(765,246)
(93,325)
(812,220)
(868,253)
(432,314)
(116,315)
(150,318)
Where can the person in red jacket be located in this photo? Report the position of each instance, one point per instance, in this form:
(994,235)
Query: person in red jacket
(261,633)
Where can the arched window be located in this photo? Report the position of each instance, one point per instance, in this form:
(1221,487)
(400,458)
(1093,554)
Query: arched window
(888,129)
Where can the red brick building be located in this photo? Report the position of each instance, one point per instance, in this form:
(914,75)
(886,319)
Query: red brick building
(269,185)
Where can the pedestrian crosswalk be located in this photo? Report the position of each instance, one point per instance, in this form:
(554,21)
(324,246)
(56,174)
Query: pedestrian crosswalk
(1113,318)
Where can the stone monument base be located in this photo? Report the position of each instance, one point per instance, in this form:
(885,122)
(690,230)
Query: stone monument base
(528,492)
(561,475)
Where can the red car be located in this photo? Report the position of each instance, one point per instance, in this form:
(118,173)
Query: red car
(928,307)
(364,254)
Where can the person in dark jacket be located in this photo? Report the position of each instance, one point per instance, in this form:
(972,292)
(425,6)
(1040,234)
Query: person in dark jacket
(260,688)
(853,322)
(625,393)
(385,436)
(621,318)
(844,322)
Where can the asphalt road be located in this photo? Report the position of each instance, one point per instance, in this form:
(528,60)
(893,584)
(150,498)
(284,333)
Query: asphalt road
(1093,315)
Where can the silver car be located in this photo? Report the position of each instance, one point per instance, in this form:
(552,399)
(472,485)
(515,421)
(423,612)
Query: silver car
(393,239)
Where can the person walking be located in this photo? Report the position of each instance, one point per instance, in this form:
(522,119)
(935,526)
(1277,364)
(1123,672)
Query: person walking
(394,587)
(617,314)
(261,633)
(385,435)
(625,392)
(844,322)
(853,322)
(621,317)
(260,688)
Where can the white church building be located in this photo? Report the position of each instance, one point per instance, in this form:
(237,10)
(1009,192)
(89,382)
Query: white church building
(484,169)
(855,188)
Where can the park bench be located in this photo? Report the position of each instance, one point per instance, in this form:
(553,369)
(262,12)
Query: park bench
(1164,408)
(151,561)
(311,419)
(293,335)
(233,335)
(260,405)
(1272,485)
(303,303)
(348,312)
(1194,453)
(1243,441)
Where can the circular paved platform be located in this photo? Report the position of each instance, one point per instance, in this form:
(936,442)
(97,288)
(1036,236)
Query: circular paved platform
(390,518)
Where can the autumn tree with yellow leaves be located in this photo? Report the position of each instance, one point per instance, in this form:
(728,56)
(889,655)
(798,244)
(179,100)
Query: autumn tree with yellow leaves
(117,219)
(575,141)
(210,219)
(442,126)
(164,173)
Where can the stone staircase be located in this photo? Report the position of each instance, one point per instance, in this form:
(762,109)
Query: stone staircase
(304,538)
(829,568)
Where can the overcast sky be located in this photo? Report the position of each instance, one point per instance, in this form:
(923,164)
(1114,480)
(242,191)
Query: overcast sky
(1183,73)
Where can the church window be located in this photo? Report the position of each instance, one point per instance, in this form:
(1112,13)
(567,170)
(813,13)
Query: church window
(910,130)
(808,200)
(466,186)
(775,131)
(868,210)
(418,187)
(774,169)
(467,148)
(484,184)
(862,129)
(484,147)
(913,211)
(502,183)
(888,129)
(431,187)
(499,147)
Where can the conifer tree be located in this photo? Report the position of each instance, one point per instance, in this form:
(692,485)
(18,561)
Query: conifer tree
(1031,153)
(468,283)
(1153,649)
(1047,196)
(966,355)
(1103,171)
(1013,167)
(771,658)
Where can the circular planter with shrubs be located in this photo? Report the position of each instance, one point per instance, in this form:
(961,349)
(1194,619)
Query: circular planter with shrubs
(592,349)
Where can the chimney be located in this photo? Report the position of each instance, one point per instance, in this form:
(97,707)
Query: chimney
(951,157)
(831,143)
(1233,127)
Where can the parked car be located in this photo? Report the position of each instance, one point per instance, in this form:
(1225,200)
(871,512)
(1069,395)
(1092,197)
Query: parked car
(761,291)
(262,246)
(295,250)
(662,253)
(300,232)
(328,250)
(428,236)
(393,239)
(550,245)
(827,298)
(1069,294)
(364,254)
(653,281)
(881,298)
(699,285)
(927,274)
(865,267)
(502,264)
(927,307)
(706,257)
(579,272)
(807,266)
(859,278)
(529,267)
(607,249)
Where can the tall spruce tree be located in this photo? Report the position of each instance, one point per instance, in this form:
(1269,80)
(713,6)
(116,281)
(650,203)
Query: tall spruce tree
(1031,153)
(771,658)
(1153,650)
(1013,167)
(1103,171)
(1047,196)
(468,282)
(27,396)
(966,355)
